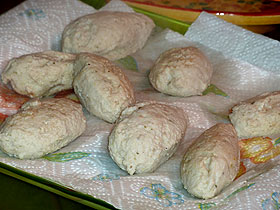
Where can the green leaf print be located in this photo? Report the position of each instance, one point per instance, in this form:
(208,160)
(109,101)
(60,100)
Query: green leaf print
(239,190)
(277,141)
(213,89)
(129,63)
(64,157)
(205,206)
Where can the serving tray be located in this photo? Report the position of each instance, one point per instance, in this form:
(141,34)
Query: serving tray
(85,165)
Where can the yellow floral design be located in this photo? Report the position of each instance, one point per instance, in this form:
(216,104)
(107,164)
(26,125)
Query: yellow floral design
(259,149)
(253,147)
(267,155)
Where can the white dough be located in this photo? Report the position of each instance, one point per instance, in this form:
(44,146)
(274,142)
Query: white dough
(41,127)
(258,116)
(101,86)
(181,72)
(146,136)
(211,162)
(113,35)
(40,74)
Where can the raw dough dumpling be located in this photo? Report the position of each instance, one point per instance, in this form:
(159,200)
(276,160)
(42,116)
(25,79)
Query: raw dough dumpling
(111,34)
(211,162)
(146,135)
(41,127)
(40,74)
(181,72)
(101,86)
(258,116)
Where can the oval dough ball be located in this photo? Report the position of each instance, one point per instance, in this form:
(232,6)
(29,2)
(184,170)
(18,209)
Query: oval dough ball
(41,127)
(258,116)
(211,162)
(40,74)
(113,35)
(181,72)
(146,136)
(101,86)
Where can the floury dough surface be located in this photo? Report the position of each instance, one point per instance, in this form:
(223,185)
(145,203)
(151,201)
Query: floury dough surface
(181,72)
(40,74)
(113,35)
(41,127)
(146,136)
(211,162)
(258,116)
(101,86)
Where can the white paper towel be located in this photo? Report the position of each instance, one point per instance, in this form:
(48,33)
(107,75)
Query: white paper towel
(35,26)
(235,42)
(245,64)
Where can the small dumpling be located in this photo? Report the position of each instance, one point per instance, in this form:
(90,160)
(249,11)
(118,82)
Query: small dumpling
(111,34)
(146,136)
(258,116)
(101,86)
(212,162)
(40,74)
(41,127)
(181,72)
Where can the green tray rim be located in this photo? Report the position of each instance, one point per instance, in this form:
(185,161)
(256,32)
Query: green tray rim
(55,187)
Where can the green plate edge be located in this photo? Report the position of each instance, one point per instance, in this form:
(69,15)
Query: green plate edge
(161,21)
(165,22)
(55,188)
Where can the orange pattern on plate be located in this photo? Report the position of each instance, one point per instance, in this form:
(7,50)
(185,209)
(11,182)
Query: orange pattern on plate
(255,15)
(232,6)
(10,100)
(67,94)
(242,170)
